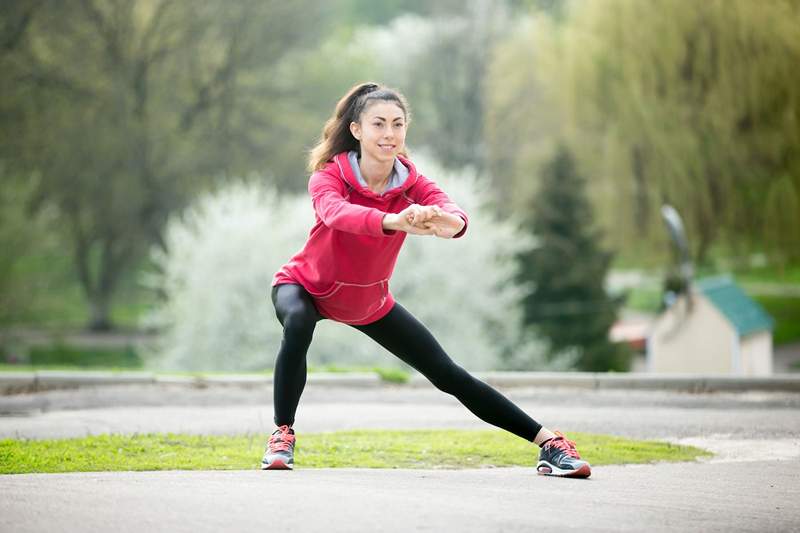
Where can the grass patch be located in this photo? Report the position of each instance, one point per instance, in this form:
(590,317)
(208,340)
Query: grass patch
(65,368)
(389,375)
(392,375)
(450,449)
(643,299)
(64,355)
(769,274)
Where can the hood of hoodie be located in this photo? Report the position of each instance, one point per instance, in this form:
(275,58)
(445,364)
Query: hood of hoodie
(340,166)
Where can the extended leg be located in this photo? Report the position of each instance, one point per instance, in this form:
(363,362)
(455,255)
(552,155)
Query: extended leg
(407,338)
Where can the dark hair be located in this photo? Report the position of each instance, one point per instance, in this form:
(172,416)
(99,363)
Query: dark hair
(336,136)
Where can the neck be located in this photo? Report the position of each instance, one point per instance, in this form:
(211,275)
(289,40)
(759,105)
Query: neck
(375,173)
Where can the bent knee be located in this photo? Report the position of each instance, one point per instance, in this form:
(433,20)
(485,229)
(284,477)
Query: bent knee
(300,320)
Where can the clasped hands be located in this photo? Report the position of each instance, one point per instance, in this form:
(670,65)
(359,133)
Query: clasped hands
(425,220)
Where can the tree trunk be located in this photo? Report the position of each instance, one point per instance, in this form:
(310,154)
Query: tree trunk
(641,208)
(99,316)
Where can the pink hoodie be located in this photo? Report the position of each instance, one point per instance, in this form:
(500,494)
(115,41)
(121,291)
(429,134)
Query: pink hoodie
(348,258)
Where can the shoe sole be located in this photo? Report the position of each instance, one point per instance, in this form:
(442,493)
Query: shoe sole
(546,469)
(277,464)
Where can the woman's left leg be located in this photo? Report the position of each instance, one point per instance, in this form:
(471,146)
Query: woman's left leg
(407,338)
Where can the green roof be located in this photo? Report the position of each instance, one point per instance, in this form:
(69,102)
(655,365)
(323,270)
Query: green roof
(744,313)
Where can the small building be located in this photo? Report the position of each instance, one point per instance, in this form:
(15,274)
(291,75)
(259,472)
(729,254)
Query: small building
(715,329)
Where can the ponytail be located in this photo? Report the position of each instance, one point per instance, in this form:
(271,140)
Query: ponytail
(336,136)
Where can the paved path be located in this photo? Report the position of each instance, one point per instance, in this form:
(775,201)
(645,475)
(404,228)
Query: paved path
(750,485)
(681,497)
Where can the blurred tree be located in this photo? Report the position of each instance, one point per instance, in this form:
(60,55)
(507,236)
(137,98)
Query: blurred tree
(123,110)
(441,68)
(782,223)
(360,12)
(520,121)
(693,106)
(17,234)
(569,305)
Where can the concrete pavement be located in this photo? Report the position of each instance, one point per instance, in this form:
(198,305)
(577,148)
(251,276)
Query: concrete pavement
(42,380)
(750,496)
(750,485)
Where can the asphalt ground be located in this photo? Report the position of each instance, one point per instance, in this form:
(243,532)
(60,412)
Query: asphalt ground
(751,483)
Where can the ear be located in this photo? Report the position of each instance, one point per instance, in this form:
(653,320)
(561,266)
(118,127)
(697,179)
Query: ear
(355,129)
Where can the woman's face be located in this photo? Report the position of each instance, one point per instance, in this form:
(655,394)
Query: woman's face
(381,130)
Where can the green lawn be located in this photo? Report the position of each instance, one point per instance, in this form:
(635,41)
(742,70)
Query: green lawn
(769,274)
(644,299)
(452,449)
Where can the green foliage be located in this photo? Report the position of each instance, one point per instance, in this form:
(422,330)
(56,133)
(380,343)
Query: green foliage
(360,12)
(121,112)
(568,304)
(786,312)
(694,107)
(451,449)
(22,236)
(782,222)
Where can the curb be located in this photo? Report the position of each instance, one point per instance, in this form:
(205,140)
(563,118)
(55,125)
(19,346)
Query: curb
(638,381)
(26,382)
(42,380)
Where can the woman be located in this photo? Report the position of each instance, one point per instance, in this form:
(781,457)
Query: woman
(367,196)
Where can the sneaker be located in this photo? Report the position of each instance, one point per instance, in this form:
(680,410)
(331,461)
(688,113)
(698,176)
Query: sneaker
(558,457)
(280,450)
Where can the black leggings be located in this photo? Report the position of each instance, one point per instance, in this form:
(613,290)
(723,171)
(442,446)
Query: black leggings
(401,334)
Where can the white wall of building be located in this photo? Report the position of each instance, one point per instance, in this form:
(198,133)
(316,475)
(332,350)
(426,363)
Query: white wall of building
(698,341)
(757,354)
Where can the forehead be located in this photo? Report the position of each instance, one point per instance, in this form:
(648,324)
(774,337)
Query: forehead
(383,108)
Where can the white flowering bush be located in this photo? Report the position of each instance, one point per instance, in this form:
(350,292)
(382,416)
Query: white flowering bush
(216,312)
(215,279)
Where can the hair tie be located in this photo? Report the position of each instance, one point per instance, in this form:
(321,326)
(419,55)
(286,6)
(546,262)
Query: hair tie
(369,87)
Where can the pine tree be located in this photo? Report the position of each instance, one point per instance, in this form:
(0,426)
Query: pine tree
(568,304)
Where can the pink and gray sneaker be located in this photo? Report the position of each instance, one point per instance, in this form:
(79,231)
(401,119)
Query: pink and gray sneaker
(558,457)
(280,450)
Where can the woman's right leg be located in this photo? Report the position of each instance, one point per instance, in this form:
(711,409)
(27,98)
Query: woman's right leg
(297,314)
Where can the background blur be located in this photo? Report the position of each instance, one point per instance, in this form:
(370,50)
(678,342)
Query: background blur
(152,158)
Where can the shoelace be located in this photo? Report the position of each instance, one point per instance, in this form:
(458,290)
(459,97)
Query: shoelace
(281,441)
(563,443)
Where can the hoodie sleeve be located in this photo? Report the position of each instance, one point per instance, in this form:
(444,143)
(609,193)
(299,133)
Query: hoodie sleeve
(337,213)
(426,192)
